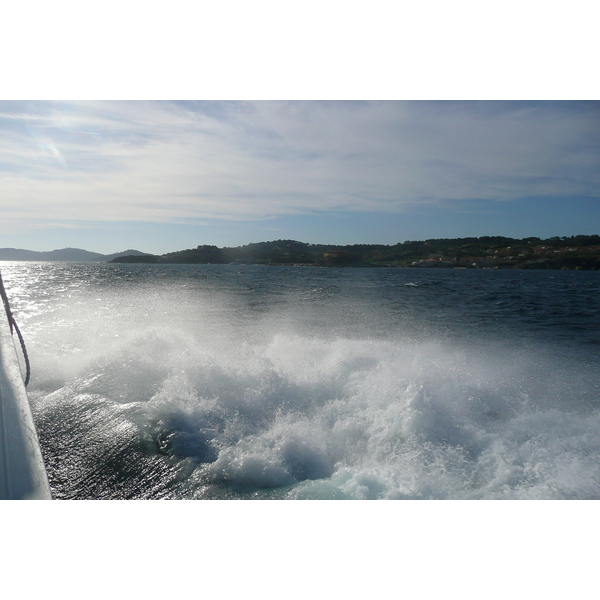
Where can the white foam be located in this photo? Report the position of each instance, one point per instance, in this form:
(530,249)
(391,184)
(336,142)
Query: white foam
(270,404)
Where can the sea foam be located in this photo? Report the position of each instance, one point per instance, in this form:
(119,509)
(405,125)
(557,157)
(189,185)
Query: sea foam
(200,388)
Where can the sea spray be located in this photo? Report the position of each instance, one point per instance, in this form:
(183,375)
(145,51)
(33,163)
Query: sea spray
(307,383)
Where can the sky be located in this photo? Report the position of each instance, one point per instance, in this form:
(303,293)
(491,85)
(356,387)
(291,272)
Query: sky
(160,176)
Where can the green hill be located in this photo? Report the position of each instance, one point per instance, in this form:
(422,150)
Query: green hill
(575,252)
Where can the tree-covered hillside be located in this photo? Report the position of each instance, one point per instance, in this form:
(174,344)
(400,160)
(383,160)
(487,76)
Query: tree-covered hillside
(483,252)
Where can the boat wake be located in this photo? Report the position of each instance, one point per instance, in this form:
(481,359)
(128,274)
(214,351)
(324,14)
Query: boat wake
(167,414)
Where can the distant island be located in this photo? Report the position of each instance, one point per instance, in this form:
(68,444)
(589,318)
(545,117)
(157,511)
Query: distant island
(66,254)
(575,252)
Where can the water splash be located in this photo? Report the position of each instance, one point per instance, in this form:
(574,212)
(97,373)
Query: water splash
(198,392)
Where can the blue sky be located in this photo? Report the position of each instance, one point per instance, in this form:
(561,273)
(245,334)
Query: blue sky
(161,176)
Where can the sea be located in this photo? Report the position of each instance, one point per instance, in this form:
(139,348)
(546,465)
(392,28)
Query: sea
(265,382)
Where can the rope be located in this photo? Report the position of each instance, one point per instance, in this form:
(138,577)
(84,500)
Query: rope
(13,324)
(6,304)
(25,355)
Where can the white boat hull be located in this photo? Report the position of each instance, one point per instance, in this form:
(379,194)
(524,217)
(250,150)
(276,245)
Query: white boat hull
(22,471)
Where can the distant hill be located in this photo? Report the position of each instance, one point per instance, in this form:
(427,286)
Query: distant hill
(109,257)
(66,254)
(575,252)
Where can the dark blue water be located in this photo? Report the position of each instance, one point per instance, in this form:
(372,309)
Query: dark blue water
(195,381)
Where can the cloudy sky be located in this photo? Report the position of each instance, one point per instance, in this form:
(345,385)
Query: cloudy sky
(160,176)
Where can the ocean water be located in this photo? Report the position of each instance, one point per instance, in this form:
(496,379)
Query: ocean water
(250,382)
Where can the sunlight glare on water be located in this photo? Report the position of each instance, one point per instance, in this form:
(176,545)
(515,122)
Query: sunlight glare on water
(205,381)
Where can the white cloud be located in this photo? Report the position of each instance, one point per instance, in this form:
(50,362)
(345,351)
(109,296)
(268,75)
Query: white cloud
(168,162)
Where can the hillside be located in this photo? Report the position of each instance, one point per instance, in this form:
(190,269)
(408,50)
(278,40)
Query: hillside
(575,252)
(66,254)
